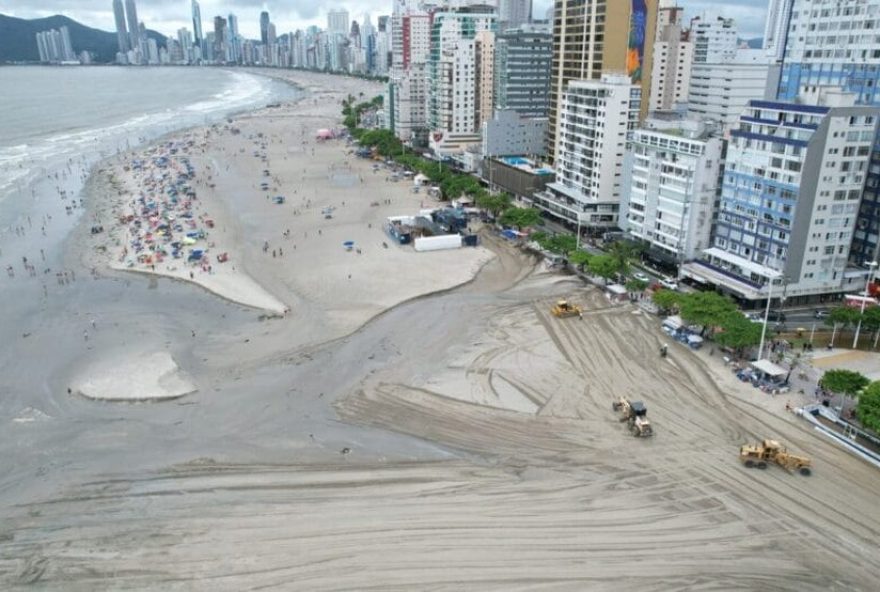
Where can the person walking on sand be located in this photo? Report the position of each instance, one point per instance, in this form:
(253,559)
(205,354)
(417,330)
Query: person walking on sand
(85,335)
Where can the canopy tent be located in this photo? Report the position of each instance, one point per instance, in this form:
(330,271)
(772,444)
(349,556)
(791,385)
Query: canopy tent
(674,322)
(769,368)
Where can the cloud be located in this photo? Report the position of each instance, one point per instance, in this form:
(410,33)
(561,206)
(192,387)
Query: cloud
(169,15)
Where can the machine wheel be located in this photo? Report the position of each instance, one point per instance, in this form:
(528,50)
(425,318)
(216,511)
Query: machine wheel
(762,465)
(750,464)
(635,431)
(805,471)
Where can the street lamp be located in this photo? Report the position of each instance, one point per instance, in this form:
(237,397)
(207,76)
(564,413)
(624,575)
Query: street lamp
(871,268)
(766,313)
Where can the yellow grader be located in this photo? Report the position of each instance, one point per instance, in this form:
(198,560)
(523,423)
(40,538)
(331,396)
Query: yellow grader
(564,308)
(634,413)
(759,455)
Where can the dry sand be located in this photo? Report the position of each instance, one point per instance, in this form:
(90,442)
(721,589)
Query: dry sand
(134,377)
(305,269)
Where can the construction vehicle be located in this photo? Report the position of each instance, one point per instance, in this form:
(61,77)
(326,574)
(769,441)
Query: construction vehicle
(635,414)
(564,308)
(759,455)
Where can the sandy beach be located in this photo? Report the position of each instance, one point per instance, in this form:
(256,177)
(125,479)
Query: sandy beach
(383,419)
(280,258)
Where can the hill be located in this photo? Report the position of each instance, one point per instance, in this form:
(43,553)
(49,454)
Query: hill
(18,38)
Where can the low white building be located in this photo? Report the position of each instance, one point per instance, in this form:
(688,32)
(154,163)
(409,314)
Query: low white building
(671,175)
(720,91)
(509,133)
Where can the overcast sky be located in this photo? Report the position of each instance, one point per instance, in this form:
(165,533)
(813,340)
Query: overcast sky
(166,16)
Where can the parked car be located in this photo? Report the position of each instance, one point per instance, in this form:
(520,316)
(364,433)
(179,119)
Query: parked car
(668,283)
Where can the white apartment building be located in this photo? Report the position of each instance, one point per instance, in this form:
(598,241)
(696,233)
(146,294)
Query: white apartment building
(793,180)
(715,40)
(673,59)
(451,69)
(776,28)
(409,102)
(670,180)
(720,91)
(595,120)
(410,45)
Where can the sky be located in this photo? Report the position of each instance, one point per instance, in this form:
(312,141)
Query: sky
(166,16)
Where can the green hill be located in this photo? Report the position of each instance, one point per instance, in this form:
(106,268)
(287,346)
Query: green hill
(18,41)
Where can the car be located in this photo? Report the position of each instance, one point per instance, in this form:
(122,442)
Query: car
(822,314)
(641,277)
(668,283)
(754,317)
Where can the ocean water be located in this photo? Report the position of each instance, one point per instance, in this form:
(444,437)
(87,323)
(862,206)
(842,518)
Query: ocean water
(52,117)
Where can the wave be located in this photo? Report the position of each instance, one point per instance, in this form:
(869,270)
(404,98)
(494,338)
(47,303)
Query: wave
(242,90)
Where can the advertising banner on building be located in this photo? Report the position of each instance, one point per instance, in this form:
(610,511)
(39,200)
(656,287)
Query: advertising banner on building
(636,48)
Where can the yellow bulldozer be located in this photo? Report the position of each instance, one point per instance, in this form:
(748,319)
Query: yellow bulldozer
(564,308)
(759,455)
(634,413)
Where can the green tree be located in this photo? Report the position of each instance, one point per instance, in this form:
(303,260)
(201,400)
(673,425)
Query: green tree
(846,383)
(562,244)
(868,409)
(737,332)
(708,309)
(667,299)
(634,285)
(624,253)
(493,203)
(580,258)
(520,217)
(871,322)
(841,317)
(603,266)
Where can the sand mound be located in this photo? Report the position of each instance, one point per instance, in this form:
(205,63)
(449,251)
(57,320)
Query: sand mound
(151,377)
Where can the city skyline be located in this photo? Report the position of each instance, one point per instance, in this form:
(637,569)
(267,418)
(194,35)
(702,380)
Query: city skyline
(167,16)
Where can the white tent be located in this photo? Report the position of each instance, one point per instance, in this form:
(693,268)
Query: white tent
(769,368)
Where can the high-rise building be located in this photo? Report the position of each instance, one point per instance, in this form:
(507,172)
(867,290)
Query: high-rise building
(220,34)
(793,179)
(670,180)
(522,70)
(234,41)
(121,31)
(67,53)
(720,91)
(776,29)
(197,23)
(835,44)
(264,27)
(484,77)
(673,58)
(715,40)
(133,24)
(451,78)
(591,37)
(410,47)
(513,13)
(337,21)
(184,38)
(595,120)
